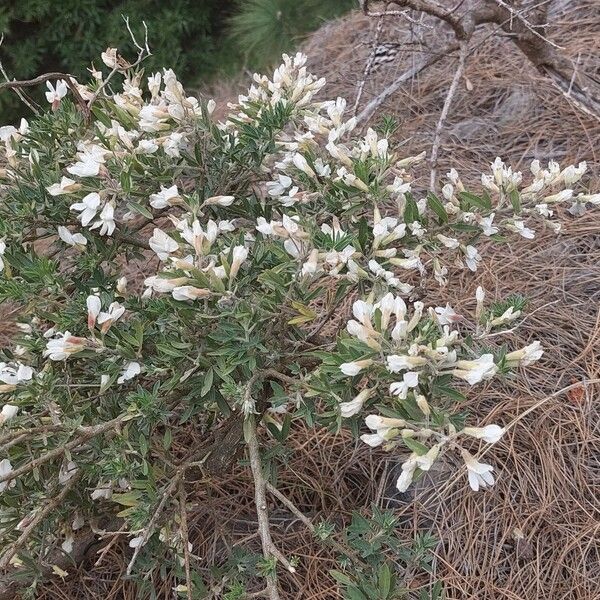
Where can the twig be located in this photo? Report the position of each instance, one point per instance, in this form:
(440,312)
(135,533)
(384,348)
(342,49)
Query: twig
(260,499)
(368,64)
(185,539)
(149,529)
(115,538)
(40,516)
(462,56)
(302,517)
(143,53)
(85,434)
(373,105)
(517,15)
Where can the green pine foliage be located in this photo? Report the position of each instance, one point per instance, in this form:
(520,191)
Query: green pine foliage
(200,39)
(264,29)
(42,36)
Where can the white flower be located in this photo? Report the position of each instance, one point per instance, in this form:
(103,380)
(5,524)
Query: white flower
(486,225)
(240,254)
(109,57)
(480,474)
(106,319)
(526,356)
(400,388)
(13,375)
(88,207)
(5,469)
(396,363)
(66,186)
(220,200)
(72,239)
(164,284)
(385,428)
(121,286)
(2,251)
(472,257)
(166,197)
(447,315)
(64,346)
(519,227)
(301,163)
(490,433)
(129,372)
(510,314)
(147,147)
(543,210)
(349,409)
(189,292)
(408,470)
(311,265)
(106,220)
(94,306)
(354,368)
(448,242)
(278,188)
(55,94)
(87,166)
(162,244)
(8,412)
(474,371)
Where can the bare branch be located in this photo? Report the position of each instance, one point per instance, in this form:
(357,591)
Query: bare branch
(85,434)
(37,519)
(464,50)
(431,59)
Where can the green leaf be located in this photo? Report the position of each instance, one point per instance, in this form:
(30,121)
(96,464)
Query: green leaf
(128,499)
(515,200)
(341,577)
(483,202)
(415,446)
(138,208)
(353,593)
(207,383)
(411,211)
(385,580)
(437,207)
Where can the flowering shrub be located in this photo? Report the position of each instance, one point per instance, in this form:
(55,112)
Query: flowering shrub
(241,227)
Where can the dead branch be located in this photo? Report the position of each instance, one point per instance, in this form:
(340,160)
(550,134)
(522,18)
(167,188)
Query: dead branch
(260,499)
(40,516)
(85,434)
(526,25)
(462,56)
(368,111)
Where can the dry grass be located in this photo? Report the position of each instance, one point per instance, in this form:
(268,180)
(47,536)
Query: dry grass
(535,534)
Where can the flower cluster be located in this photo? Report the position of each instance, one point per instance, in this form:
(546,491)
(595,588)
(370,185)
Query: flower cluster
(406,352)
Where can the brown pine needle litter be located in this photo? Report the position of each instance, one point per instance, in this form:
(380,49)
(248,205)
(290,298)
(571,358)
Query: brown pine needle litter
(536,533)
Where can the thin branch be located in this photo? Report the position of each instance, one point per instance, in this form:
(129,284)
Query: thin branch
(149,529)
(85,434)
(260,499)
(517,14)
(462,56)
(431,59)
(302,517)
(368,64)
(143,53)
(40,516)
(185,538)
